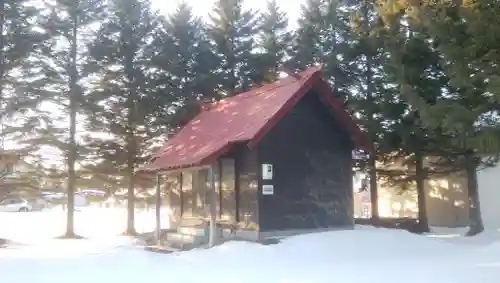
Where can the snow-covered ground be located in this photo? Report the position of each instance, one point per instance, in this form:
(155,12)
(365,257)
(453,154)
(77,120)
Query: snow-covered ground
(89,222)
(359,256)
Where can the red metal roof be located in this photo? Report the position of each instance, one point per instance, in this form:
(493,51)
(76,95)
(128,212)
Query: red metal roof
(246,118)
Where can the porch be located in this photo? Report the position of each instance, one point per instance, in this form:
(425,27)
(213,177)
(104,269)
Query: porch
(235,183)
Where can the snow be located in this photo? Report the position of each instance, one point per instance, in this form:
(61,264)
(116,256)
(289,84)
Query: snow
(89,222)
(358,256)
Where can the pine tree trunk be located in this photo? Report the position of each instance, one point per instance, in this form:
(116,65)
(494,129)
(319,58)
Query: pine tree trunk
(2,73)
(369,93)
(2,65)
(72,150)
(130,196)
(158,209)
(373,189)
(131,143)
(212,208)
(423,223)
(475,218)
(233,80)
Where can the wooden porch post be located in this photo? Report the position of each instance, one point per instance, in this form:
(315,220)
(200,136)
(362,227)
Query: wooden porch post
(213,208)
(158,208)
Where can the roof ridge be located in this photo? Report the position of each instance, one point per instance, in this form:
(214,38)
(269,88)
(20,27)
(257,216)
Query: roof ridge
(254,92)
(258,90)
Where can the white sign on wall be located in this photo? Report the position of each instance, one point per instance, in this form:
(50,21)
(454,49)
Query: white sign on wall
(267,171)
(267,190)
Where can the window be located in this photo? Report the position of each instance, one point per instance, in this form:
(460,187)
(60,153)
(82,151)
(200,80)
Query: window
(200,193)
(187,193)
(9,168)
(227,190)
(11,201)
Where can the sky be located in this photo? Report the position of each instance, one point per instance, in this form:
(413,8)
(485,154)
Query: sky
(203,7)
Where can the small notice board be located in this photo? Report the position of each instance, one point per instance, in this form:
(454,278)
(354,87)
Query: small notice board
(268,190)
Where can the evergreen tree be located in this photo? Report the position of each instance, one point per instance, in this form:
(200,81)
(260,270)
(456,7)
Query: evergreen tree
(370,95)
(469,62)
(406,137)
(60,75)
(232,31)
(414,62)
(323,38)
(20,95)
(121,99)
(188,67)
(397,126)
(463,112)
(306,48)
(275,40)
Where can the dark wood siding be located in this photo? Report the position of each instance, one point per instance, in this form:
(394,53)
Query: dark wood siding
(312,163)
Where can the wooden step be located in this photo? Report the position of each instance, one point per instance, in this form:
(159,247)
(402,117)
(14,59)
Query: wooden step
(181,238)
(192,222)
(184,242)
(193,231)
(161,249)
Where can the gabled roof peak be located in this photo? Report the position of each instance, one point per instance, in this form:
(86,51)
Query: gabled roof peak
(246,118)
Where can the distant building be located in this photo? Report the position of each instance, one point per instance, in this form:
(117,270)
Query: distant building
(9,163)
(80,200)
(446,200)
(489,196)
